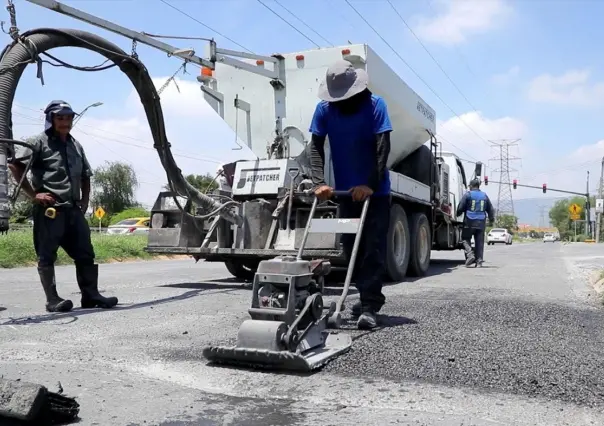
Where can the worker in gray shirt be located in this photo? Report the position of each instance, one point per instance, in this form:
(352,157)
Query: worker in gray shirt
(60,190)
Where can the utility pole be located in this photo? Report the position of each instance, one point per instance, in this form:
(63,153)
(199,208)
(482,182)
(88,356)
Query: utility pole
(600,190)
(587,210)
(542,223)
(505,203)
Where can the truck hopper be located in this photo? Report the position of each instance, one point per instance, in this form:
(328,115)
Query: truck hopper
(249,104)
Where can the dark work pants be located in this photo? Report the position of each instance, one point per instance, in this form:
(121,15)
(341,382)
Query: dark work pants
(370,265)
(68,230)
(478,233)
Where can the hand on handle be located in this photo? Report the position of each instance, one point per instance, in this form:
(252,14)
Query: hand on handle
(324,192)
(361,193)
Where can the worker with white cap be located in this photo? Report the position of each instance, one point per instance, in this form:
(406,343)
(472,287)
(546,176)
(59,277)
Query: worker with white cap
(358,126)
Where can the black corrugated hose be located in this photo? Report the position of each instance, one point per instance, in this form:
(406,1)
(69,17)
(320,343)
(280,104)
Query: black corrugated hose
(16,56)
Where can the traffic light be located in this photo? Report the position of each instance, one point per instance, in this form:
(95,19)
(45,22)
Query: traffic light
(486,180)
(515,183)
(544,188)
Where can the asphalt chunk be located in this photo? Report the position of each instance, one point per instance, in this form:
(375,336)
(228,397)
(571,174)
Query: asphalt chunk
(535,349)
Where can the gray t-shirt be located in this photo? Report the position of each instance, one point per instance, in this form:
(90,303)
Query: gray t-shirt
(57,167)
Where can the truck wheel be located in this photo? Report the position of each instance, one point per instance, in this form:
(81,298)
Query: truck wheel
(421,245)
(242,269)
(397,255)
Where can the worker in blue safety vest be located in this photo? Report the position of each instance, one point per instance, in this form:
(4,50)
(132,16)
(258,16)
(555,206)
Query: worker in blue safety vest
(476,206)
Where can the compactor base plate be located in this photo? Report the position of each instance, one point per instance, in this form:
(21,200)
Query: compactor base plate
(336,344)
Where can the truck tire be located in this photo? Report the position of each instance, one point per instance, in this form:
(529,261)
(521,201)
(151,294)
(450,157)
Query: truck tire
(242,269)
(421,245)
(397,254)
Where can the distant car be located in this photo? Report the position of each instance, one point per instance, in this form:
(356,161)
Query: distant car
(549,238)
(499,235)
(133,226)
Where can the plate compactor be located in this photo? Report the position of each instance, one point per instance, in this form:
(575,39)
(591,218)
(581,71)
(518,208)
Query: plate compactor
(289,326)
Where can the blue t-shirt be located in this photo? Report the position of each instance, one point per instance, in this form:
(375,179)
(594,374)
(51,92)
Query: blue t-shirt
(352,141)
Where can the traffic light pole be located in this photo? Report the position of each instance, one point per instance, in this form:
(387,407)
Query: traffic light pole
(544,188)
(582,194)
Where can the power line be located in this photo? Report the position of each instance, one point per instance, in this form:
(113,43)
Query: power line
(431,56)
(458,51)
(413,70)
(94,138)
(129,143)
(304,23)
(288,23)
(276,1)
(40,118)
(205,25)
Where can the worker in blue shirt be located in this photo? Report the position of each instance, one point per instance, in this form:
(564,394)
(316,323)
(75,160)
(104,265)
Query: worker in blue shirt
(476,206)
(358,126)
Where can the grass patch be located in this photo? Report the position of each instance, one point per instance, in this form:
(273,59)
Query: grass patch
(17,249)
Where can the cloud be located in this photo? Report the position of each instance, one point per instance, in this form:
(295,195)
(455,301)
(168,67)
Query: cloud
(570,173)
(469,136)
(593,152)
(200,139)
(461,19)
(471,132)
(571,88)
(506,77)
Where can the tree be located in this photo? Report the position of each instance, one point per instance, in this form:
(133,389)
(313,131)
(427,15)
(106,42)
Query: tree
(508,222)
(203,183)
(113,187)
(559,215)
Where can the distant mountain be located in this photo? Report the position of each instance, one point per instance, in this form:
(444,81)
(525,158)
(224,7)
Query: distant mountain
(528,210)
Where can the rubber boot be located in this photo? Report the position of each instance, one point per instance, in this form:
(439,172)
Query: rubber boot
(54,303)
(469,253)
(367,320)
(88,280)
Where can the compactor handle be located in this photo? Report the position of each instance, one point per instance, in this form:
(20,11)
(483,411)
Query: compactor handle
(336,194)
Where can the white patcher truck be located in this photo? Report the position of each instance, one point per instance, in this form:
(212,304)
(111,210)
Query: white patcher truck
(269,104)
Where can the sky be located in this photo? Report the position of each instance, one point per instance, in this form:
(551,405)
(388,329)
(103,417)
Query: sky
(492,70)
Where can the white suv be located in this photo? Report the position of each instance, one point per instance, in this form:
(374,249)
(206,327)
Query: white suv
(549,237)
(499,235)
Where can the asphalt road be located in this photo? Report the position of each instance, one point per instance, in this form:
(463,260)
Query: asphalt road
(518,342)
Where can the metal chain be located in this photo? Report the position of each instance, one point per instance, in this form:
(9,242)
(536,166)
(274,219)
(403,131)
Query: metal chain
(172,79)
(134,54)
(13,31)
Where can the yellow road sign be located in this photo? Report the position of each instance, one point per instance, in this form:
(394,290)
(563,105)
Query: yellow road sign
(575,216)
(99,213)
(574,209)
